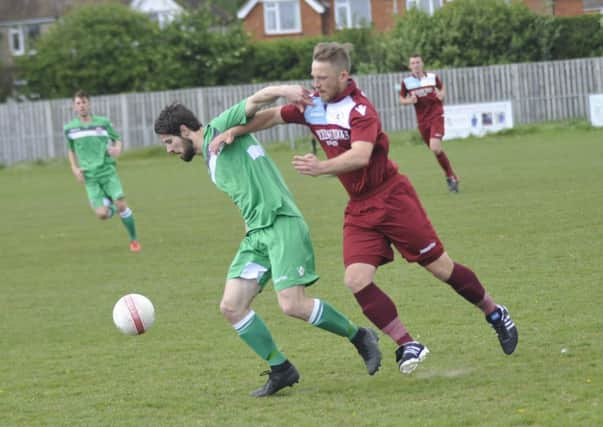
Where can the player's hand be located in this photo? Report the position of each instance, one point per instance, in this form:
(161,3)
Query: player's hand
(308,164)
(79,174)
(414,99)
(439,94)
(114,150)
(298,95)
(216,144)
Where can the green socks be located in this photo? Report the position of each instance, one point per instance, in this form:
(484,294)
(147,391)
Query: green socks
(256,335)
(328,318)
(127,218)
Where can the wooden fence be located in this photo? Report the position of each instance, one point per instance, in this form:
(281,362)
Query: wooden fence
(538,91)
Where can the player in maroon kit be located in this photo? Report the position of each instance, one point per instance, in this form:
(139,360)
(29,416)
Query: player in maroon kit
(383,209)
(426,92)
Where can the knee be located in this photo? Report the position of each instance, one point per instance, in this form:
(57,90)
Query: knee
(231,311)
(121,205)
(289,307)
(435,149)
(355,282)
(102,213)
(441,268)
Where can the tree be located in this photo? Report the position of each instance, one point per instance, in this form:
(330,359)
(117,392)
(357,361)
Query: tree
(105,48)
(474,32)
(196,52)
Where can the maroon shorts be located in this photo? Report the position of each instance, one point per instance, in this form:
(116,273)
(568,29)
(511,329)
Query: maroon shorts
(432,129)
(394,216)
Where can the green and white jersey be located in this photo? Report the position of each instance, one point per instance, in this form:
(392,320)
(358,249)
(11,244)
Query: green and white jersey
(244,171)
(89,141)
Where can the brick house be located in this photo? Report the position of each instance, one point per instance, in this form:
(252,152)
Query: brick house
(266,19)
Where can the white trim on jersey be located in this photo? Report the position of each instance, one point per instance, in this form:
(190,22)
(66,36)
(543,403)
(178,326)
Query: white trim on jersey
(338,113)
(412,82)
(213,159)
(87,132)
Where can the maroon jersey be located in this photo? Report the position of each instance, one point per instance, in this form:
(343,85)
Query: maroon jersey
(337,124)
(428,105)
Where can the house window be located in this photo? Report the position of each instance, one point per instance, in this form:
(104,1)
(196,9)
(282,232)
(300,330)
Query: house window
(22,37)
(352,13)
(428,6)
(16,41)
(162,17)
(32,33)
(282,16)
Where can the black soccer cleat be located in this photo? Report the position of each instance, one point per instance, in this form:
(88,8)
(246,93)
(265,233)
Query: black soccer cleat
(366,342)
(409,355)
(505,328)
(453,184)
(281,376)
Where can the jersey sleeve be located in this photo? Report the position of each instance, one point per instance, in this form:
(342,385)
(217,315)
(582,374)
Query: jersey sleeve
(234,116)
(113,134)
(364,124)
(69,140)
(291,114)
(403,90)
(438,82)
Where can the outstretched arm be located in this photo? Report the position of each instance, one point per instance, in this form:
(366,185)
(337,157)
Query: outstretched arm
(262,120)
(265,119)
(294,94)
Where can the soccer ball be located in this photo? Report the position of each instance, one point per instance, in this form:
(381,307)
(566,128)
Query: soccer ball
(133,314)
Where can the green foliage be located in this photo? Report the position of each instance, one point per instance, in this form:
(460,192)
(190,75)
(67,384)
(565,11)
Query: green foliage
(579,37)
(109,48)
(411,34)
(369,51)
(291,59)
(283,59)
(195,53)
(472,33)
(105,48)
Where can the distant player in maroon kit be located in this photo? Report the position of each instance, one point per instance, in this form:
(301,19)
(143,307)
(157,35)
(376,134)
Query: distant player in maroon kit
(426,92)
(383,209)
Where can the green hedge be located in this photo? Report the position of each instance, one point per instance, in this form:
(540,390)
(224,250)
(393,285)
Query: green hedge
(110,49)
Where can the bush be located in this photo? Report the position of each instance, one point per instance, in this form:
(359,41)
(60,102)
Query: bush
(471,33)
(106,48)
(194,51)
(579,37)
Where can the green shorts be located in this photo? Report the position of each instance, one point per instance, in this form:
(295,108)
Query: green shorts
(282,252)
(99,187)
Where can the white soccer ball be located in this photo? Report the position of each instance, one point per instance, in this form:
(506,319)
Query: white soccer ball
(133,314)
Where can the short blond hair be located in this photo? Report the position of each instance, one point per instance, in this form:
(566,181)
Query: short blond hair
(335,53)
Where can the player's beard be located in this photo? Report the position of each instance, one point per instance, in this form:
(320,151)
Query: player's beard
(188,150)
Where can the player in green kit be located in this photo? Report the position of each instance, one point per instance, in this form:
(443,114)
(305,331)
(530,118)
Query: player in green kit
(93,145)
(277,242)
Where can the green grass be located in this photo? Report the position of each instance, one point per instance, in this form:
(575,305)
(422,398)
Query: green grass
(529,221)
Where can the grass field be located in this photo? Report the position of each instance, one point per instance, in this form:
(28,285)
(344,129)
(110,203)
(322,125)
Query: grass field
(529,221)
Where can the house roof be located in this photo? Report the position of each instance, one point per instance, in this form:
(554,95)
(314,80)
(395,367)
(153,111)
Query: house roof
(22,10)
(317,5)
(156,5)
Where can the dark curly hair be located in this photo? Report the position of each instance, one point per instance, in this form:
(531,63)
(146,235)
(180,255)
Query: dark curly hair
(174,115)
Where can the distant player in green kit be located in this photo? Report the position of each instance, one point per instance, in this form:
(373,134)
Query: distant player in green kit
(93,145)
(277,242)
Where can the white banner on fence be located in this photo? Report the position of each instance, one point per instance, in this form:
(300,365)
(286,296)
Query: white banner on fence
(461,121)
(596,109)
